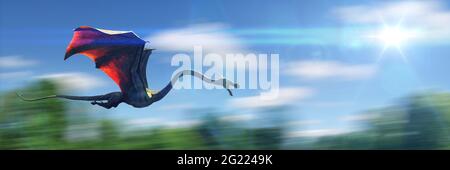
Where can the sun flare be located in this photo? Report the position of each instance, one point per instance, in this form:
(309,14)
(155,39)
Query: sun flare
(394,36)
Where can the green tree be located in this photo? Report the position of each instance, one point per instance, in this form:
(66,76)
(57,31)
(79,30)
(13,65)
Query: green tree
(33,125)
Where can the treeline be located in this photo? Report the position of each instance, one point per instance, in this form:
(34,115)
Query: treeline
(415,122)
(420,121)
(53,124)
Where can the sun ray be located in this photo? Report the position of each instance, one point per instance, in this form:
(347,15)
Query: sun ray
(393,36)
(402,55)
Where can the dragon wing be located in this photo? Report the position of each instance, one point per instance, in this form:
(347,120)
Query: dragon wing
(120,54)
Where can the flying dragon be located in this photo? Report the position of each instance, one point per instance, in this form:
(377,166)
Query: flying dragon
(123,56)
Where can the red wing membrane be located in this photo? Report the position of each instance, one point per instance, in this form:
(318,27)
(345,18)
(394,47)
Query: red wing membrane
(114,52)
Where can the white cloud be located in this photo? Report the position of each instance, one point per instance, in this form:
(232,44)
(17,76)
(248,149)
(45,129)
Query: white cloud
(315,133)
(155,122)
(74,80)
(284,96)
(327,103)
(316,69)
(15,62)
(238,117)
(211,37)
(359,117)
(182,123)
(15,75)
(430,17)
(144,122)
(304,122)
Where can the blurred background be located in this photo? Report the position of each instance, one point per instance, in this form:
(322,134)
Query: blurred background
(347,80)
(417,121)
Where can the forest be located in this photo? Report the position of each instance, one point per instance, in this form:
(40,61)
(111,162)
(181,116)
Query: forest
(417,121)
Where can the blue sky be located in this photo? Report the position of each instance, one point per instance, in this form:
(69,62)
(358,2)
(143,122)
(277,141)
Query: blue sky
(356,74)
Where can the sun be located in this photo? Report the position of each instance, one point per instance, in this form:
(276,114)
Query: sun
(394,37)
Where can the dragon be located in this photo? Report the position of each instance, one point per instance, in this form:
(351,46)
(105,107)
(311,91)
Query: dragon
(123,56)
